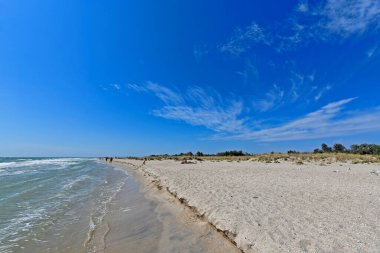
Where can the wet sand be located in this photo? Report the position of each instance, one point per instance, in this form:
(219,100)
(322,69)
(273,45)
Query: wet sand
(143,219)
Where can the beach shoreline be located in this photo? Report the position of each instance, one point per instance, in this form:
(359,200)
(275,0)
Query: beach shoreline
(149,219)
(305,207)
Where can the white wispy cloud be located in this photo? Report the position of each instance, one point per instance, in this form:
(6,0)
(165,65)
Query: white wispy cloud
(112,86)
(329,121)
(229,119)
(297,80)
(243,38)
(322,92)
(373,51)
(200,51)
(218,119)
(198,108)
(303,6)
(311,77)
(116,86)
(273,98)
(166,95)
(298,88)
(250,73)
(349,17)
(329,21)
(135,87)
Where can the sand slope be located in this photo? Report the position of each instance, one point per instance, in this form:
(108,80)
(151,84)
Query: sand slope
(281,207)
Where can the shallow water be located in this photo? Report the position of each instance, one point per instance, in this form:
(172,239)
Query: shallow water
(54,204)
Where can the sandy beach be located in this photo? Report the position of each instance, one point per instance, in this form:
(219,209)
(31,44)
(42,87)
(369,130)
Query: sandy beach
(278,207)
(143,218)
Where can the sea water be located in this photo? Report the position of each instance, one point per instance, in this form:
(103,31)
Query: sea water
(54,204)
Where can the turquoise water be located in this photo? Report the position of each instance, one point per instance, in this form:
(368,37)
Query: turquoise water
(54,204)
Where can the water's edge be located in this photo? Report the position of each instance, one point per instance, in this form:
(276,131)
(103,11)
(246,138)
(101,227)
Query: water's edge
(182,230)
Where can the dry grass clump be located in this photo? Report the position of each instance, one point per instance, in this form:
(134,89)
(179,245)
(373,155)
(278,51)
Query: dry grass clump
(356,158)
(324,158)
(297,158)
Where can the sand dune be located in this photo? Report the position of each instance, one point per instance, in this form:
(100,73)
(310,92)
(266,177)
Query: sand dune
(280,207)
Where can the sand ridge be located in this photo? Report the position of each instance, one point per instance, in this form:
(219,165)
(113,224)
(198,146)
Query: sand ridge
(280,207)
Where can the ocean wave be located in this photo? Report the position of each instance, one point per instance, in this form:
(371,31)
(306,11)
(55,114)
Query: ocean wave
(49,161)
(22,223)
(97,217)
(68,186)
(16,172)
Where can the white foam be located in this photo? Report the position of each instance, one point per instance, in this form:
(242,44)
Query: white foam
(121,170)
(72,183)
(23,223)
(101,211)
(50,161)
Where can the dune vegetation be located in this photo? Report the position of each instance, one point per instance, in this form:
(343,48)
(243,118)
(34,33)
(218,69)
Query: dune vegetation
(363,153)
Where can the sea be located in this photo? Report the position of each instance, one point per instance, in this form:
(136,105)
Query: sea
(55,204)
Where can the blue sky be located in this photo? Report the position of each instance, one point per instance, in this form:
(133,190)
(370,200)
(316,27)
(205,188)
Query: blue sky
(91,78)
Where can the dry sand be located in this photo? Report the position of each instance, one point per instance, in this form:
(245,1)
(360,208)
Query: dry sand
(280,207)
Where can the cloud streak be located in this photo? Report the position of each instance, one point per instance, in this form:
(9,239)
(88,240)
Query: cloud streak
(243,38)
(329,121)
(322,92)
(334,20)
(273,98)
(228,119)
(346,18)
(198,108)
